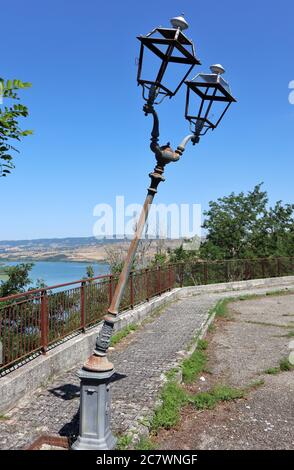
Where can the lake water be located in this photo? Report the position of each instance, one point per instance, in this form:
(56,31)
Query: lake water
(60,272)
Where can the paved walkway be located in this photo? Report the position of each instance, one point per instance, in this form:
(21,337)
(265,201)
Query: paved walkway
(142,358)
(252,339)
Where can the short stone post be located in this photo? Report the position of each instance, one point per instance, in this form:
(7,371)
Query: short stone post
(95,404)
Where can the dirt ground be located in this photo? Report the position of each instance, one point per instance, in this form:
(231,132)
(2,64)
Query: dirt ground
(254,337)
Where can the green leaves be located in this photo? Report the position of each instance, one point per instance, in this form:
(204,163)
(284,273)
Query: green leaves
(15,84)
(242,226)
(9,122)
(18,279)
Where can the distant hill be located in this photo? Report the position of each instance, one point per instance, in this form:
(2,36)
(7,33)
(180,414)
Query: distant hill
(62,249)
(58,242)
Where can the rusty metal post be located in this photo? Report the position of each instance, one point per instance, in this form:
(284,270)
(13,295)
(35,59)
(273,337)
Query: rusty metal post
(182,274)
(132,289)
(147,283)
(159,280)
(110,288)
(44,321)
(98,362)
(83,320)
(169,278)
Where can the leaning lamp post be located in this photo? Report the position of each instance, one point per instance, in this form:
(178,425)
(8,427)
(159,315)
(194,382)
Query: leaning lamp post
(208,97)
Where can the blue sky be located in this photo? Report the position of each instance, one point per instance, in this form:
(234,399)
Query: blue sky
(91,138)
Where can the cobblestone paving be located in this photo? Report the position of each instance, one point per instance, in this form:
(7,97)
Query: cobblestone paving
(141,361)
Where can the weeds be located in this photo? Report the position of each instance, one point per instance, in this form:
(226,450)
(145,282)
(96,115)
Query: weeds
(123,442)
(117,337)
(285,365)
(145,443)
(193,365)
(272,370)
(167,415)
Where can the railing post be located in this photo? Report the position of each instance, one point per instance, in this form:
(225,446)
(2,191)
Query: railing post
(247,270)
(131,289)
(169,277)
(110,288)
(205,272)
(263,267)
(182,275)
(227,270)
(44,321)
(147,283)
(159,280)
(278,267)
(83,320)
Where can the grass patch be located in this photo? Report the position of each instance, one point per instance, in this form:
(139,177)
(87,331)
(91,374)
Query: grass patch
(208,400)
(255,384)
(167,414)
(3,418)
(285,365)
(211,328)
(145,443)
(220,310)
(204,401)
(123,442)
(280,292)
(227,393)
(174,397)
(272,370)
(117,337)
(171,374)
(202,344)
(193,365)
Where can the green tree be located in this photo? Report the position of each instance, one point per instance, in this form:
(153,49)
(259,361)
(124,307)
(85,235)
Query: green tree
(242,226)
(10,114)
(90,271)
(18,279)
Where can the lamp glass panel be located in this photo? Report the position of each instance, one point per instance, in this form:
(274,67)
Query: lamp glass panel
(210,110)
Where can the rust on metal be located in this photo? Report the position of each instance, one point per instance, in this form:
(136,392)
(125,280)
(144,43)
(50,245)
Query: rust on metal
(54,441)
(98,364)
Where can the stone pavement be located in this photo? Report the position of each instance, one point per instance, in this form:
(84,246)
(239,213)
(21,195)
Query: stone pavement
(141,360)
(252,339)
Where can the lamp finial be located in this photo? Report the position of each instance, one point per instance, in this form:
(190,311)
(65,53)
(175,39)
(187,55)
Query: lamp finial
(217,68)
(179,22)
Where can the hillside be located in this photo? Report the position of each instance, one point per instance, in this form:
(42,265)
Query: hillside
(63,249)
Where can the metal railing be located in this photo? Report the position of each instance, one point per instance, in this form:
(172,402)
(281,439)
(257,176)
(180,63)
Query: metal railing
(33,321)
(211,272)
(36,320)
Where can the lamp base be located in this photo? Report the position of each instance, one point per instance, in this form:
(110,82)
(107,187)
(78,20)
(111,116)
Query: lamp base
(98,364)
(95,410)
(84,443)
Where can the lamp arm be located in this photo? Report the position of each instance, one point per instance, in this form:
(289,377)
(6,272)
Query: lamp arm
(164,154)
(185,141)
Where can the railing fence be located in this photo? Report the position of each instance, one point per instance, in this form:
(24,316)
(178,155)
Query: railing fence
(33,321)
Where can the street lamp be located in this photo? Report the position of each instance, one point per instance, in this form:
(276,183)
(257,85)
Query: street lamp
(171,47)
(214,96)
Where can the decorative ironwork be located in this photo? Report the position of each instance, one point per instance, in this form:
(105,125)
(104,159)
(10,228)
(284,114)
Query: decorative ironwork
(104,337)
